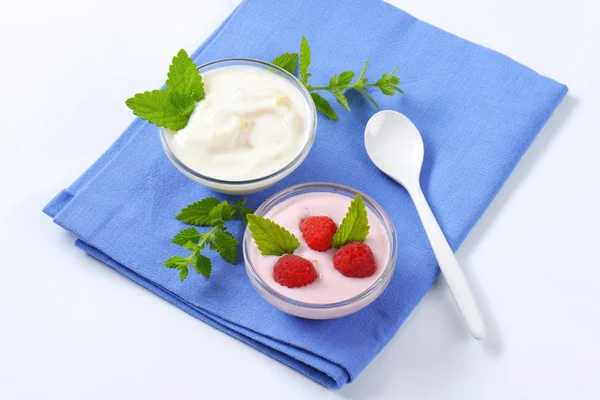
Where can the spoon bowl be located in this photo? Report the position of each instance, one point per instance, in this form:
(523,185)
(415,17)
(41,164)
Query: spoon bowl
(395,146)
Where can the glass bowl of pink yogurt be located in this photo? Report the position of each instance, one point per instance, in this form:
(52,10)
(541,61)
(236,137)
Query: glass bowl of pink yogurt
(332,295)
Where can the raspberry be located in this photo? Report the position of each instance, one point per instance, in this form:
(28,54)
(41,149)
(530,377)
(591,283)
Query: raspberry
(294,271)
(355,260)
(318,232)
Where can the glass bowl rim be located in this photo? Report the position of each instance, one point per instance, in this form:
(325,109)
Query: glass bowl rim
(299,157)
(370,202)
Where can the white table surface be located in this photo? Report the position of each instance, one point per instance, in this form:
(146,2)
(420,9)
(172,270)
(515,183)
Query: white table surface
(73,329)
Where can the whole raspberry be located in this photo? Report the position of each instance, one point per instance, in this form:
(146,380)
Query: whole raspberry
(355,260)
(318,232)
(294,271)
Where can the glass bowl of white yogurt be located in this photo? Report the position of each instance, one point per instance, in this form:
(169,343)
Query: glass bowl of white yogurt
(256,125)
(332,295)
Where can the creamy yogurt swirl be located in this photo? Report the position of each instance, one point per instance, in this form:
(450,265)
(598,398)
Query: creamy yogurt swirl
(252,123)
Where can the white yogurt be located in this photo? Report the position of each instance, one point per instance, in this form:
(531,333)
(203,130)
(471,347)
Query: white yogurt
(251,124)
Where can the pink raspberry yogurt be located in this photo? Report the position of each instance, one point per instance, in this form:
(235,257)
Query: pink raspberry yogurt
(331,287)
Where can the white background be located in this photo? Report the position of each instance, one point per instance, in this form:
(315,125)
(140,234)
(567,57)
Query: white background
(71,328)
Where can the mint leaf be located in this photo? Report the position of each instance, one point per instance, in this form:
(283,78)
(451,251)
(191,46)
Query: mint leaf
(198,213)
(354,226)
(179,263)
(176,262)
(387,83)
(324,106)
(386,89)
(287,61)
(172,107)
(163,108)
(225,244)
(368,97)
(272,239)
(333,81)
(361,77)
(202,265)
(221,213)
(244,214)
(242,211)
(186,236)
(185,78)
(341,99)
(345,78)
(183,273)
(190,246)
(304,60)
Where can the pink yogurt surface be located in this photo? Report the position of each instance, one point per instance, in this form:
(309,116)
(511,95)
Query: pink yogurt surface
(331,286)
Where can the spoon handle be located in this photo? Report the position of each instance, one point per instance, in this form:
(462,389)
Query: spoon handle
(455,278)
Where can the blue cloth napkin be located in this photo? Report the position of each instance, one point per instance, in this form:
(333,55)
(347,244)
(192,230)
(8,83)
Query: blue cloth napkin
(478,112)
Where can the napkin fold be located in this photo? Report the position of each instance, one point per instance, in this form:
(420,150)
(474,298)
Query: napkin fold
(478,112)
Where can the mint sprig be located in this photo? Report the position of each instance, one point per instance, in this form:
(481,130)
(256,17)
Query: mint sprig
(271,238)
(171,107)
(354,226)
(339,83)
(207,212)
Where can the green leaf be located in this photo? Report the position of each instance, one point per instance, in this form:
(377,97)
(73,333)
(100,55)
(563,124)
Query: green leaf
(198,213)
(368,96)
(202,265)
(271,238)
(387,89)
(287,61)
(342,79)
(354,226)
(162,107)
(333,81)
(184,77)
(242,211)
(387,83)
(323,106)
(364,70)
(345,78)
(304,60)
(245,212)
(171,108)
(183,273)
(240,204)
(191,246)
(176,262)
(226,244)
(341,98)
(222,212)
(186,236)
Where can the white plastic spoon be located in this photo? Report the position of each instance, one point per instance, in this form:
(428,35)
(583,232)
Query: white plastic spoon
(395,146)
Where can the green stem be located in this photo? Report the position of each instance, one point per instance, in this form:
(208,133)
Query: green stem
(329,88)
(205,237)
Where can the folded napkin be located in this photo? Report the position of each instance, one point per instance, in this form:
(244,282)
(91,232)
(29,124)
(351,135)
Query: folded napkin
(477,110)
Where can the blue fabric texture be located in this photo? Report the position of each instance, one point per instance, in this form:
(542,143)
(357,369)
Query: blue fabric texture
(478,112)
